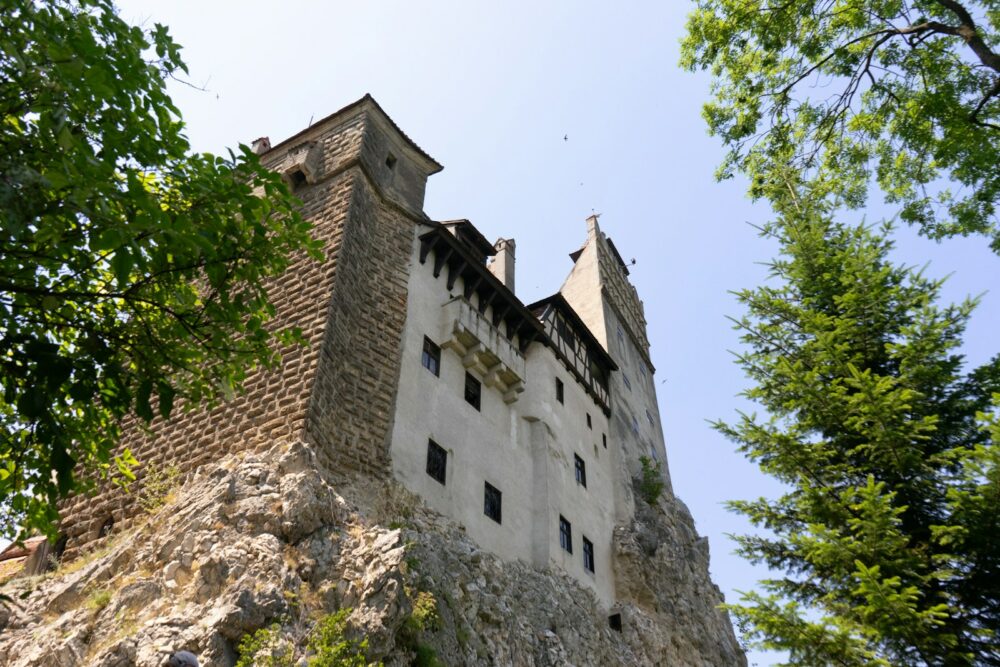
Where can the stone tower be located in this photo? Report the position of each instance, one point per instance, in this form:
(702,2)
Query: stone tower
(361,181)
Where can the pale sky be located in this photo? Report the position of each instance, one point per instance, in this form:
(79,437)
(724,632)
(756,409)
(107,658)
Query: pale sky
(490,91)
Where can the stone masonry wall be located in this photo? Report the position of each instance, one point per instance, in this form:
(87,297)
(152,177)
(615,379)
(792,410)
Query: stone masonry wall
(338,303)
(623,296)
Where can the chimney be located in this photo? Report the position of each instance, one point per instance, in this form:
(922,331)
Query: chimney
(503,263)
(261,145)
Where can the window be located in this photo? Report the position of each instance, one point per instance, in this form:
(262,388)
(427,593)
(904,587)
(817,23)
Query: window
(581,471)
(642,370)
(590,424)
(437,461)
(491,502)
(588,555)
(621,337)
(565,535)
(615,621)
(627,383)
(390,160)
(473,391)
(431,356)
(635,424)
(649,416)
(604,440)
(560,391)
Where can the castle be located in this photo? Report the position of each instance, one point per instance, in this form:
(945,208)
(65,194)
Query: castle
(525,423)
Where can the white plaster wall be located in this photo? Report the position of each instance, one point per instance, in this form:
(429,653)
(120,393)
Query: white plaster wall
(524,449)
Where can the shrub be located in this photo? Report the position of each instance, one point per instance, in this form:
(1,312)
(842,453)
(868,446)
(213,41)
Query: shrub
(651,482)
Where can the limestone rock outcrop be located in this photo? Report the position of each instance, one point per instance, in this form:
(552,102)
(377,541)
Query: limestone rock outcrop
(271,538)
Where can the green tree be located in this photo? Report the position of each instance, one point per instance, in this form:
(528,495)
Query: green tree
(905,92)
(886,539)
(132,272)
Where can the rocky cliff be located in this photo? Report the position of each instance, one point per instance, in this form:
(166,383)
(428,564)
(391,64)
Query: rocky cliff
(265,539)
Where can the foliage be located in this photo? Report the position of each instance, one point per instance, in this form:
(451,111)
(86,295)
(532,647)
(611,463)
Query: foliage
(330,646)
(903,91)
(886,536)
(99,599)
(326,643)
(651,482)
(157,485)
(132,272)
(265,648)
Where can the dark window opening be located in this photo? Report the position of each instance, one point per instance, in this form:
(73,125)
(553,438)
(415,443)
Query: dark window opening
(588,555)
(106,528)
(581,471)
(604,440)
(565,535)
(627,383)
(491,502)
(650,418)
(590,424)
(564,331)
(437,461)
(615,621)
(390,160)
(473,391)
(431,356)
(297,179)
(560,391)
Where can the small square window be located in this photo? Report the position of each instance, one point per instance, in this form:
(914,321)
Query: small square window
(604,440)
(431,356)
(615,622)
(588,555)
(560,391)
(590,424)
(581,471)
(565,535)
(626,381)
(473,391)
(491,502)
(437,461)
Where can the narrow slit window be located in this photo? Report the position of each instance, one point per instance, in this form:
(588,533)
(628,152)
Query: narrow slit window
(626,381)
(565,535)
(473,391)
(590,424)
(492,502)
(588,555)
(560,391)
(437,461)
(431,357)
(604,440)
(581,471)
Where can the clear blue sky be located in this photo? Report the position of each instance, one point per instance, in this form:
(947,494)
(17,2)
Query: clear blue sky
(490,90)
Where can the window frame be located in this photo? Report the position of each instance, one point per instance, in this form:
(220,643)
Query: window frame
(580,470)
(474,397)
(433,355)
(588,555)
(437,454)
(565,534)
(560,391)
(491,492)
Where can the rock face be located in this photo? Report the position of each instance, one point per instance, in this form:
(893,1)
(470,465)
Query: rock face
(269,538)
